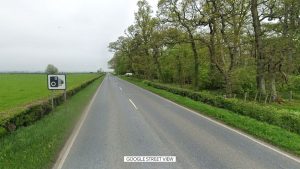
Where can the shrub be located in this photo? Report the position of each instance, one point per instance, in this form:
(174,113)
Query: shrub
(282,118)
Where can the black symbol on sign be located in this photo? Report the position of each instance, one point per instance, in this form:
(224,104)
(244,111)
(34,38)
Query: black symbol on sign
(55,81)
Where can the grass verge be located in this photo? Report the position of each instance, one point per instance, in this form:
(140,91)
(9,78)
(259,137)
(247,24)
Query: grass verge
(274,135)
(36,146)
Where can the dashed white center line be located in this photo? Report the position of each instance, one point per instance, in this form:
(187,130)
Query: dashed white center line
(120,88)
(133,104)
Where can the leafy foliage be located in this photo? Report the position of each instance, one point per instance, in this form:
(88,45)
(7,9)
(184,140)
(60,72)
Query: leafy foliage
(51,69)
(232,46)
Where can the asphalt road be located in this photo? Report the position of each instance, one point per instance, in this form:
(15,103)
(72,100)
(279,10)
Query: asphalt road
(125,120)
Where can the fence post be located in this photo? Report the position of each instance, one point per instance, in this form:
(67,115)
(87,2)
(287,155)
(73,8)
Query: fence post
(255,96)
(291,95)
(65,95)
(266,99)
(245,96)
(52,99)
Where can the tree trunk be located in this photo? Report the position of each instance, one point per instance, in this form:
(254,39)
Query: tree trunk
(156,62)
(260,78)
(196,63)
(179,70)
(273,86)
(159,70)
(228,84)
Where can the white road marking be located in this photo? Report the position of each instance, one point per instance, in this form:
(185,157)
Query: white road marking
(229,128)
(120,88)
(66,150)
(242,134)
(133,104)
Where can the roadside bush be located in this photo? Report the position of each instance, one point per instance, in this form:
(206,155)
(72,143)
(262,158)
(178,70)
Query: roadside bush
(243,80)
(3,131)
(282,118)
(294,83)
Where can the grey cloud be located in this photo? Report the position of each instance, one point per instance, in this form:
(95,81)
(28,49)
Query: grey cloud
(71,34)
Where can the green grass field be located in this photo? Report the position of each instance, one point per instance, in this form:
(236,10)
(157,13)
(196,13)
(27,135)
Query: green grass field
(37,145)
(19,90)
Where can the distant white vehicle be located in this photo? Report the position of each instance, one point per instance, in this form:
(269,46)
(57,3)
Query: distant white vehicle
(128,74)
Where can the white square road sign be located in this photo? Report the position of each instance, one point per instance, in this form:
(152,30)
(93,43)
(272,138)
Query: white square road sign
(57,82)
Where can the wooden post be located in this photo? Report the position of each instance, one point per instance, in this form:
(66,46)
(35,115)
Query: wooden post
(65,95)
(255,96)
(52,99)
(266,99)
(291,95)
(245,97)
(271,99)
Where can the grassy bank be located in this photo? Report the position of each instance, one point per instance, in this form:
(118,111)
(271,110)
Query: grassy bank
(36,146)
(272,134)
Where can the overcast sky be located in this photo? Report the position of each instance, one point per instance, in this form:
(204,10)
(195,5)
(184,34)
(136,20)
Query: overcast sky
(71,34)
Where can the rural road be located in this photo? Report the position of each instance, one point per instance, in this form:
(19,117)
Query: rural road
(125,120)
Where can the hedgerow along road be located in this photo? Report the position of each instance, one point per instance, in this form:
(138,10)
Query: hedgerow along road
(125,120)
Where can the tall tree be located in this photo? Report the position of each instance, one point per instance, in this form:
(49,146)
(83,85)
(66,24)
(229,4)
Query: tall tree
(226,20)
(231,40)
(147,30)
(260,57)
(181,15)
(51,69)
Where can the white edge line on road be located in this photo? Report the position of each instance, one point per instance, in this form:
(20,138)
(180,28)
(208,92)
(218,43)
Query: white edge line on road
(227,127)
(68,145)
(133,104)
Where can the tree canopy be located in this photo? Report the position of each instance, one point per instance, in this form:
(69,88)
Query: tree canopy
(51,69)
(235,46)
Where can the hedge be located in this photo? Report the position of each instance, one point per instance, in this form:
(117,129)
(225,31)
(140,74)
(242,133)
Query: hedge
(38,110)
(283,118)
